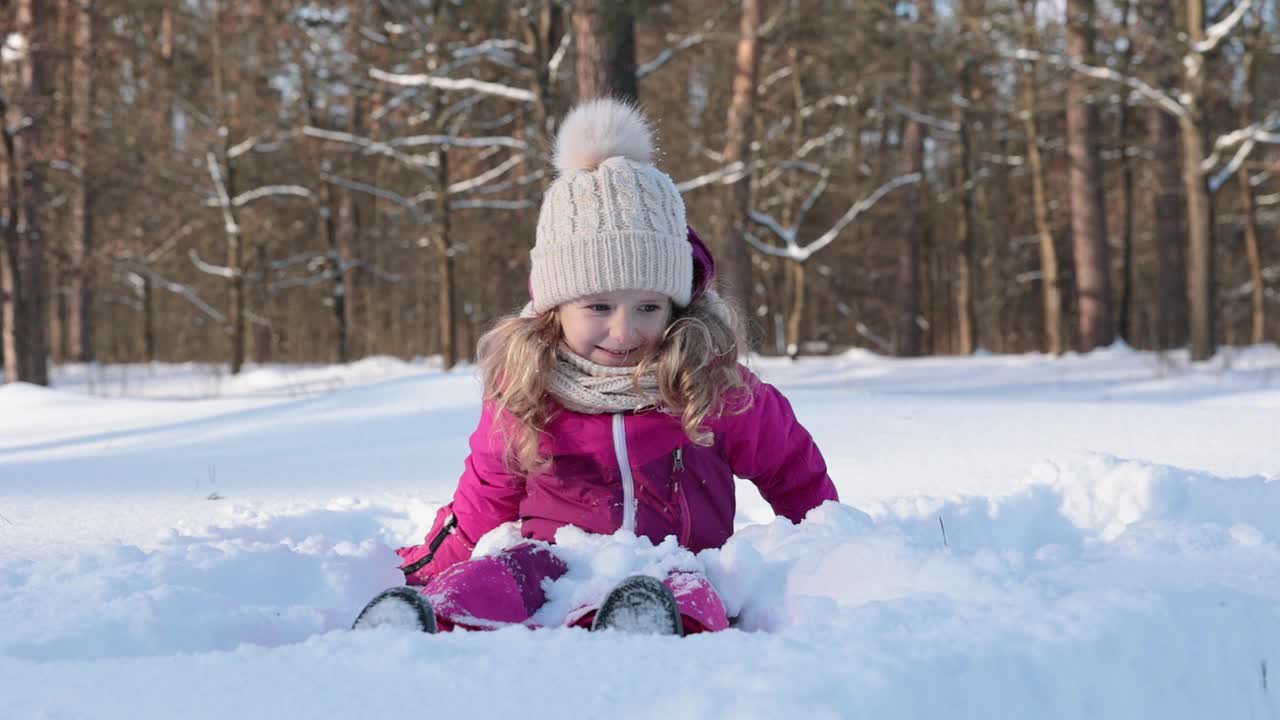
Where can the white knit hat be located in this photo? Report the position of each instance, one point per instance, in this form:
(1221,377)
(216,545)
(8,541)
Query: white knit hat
(610,220)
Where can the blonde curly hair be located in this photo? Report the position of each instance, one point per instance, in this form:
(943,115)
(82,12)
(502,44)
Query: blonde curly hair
(696,364)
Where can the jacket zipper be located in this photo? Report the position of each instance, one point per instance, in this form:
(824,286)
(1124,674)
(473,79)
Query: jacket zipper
(624,467)
(677,492)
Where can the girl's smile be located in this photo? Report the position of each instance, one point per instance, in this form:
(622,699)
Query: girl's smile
(617,328)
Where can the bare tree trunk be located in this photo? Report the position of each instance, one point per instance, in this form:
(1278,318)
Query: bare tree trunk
(542,30)
(338,295)
(965,258)
(29,159)
(235,259)
(1088,218)
(448,349)
(729,244)
(1200,287)
(1167,191)
(795,314)
(1126,164)
(79,295)
(1051,291)
(349,236)
(1256,281)
(10,304)
(263,331)
(148,318)
(1257,333)
(235,262)
(604,36)
(906,328)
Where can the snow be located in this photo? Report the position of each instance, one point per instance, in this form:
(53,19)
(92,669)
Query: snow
(1092,536)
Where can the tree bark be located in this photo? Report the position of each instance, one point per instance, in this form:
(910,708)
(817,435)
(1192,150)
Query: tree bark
(148,318)
(28,159)
(1051,291)
(729,244)
(1258,326)
(795,313)
(604,35)
(1088,218)
(1123,327)
(1258,315)
(1167,192)
(966,253)
(1200,287)
(907,333)
(79,295)
(234,241)
(338,294)
(349,235)
(10,273)
(448,349)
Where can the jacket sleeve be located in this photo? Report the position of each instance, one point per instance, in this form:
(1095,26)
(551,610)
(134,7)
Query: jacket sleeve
(488,495)
(767,445)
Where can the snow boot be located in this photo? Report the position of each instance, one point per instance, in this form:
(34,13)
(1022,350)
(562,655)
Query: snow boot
(642,605)
(402,607)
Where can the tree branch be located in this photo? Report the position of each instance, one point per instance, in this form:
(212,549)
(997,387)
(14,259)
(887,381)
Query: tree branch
(667,54)
(444,83)
(801,254)
(1222,29)
(224,202)
(218,270)
(1167,102)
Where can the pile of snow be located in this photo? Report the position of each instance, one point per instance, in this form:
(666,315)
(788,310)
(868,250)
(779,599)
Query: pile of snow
(1093,536)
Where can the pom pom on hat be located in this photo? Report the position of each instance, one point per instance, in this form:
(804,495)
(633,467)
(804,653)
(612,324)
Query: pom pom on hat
(600,129)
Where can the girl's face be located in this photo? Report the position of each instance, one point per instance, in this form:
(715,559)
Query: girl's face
(617,328)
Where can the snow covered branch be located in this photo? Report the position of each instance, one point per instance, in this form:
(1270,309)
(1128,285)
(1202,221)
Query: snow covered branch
(271,191)
(667,54)
(553,65)
(794,251)
(185,291)
(374,147)
(265,191)
(455,141)
(947,126)
(210,269)
(240,148)
(72,170)
(823,140)
(492,204)
(786,235)
(383,193)
(445,83)
(224,202)
(730,173)
(1166,101)
(1246,139)
(1222,29)
(466,186)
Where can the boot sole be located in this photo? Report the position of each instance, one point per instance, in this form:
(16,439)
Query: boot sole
(624,608)
(410,604)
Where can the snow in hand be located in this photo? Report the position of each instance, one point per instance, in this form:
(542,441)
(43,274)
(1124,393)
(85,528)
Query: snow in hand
(1022,537)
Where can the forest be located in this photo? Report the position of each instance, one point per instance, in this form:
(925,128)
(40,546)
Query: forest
(258,181)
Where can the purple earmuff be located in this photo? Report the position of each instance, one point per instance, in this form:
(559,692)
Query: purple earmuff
(704,266)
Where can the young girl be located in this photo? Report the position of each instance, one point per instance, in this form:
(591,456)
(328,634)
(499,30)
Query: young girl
(613,401)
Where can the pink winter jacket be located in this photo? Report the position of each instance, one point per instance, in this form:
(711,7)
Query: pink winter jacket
(635,470)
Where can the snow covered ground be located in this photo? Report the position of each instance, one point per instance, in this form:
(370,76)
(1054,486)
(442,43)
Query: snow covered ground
(1022,537)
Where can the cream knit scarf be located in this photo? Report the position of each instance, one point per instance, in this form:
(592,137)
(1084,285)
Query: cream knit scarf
(583,386)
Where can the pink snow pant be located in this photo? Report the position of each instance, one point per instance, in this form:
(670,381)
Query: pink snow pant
(506,588)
